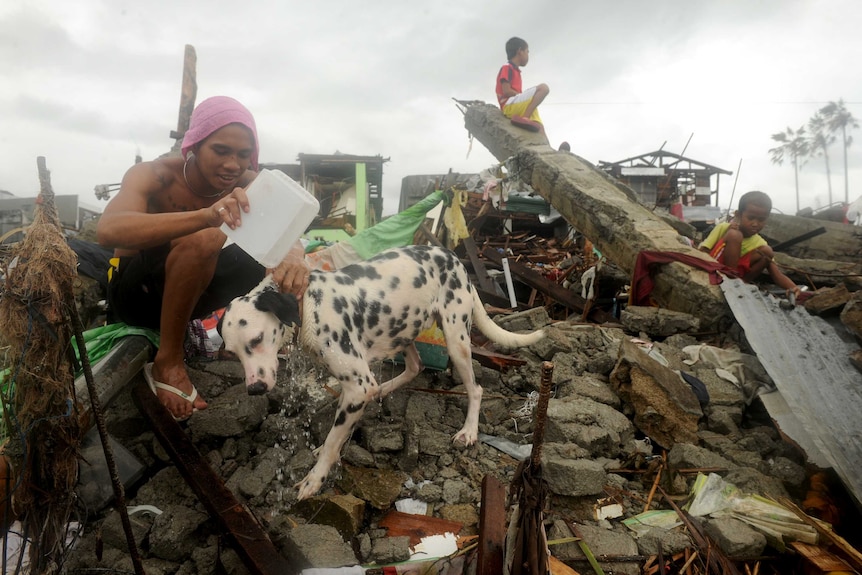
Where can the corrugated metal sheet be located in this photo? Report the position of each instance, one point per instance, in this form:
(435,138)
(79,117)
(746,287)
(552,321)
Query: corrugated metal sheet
(809,364)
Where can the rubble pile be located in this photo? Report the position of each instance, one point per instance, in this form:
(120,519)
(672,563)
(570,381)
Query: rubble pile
(607,444)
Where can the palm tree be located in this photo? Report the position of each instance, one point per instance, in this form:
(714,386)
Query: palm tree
(794,145)
(819,139)
(839,118)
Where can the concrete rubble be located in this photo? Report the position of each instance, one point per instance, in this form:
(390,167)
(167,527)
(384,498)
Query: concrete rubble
(600,437)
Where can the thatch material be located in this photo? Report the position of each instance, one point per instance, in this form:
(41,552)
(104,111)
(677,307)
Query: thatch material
(36,324)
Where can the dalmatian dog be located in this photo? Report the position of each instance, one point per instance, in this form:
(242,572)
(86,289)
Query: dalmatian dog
(360,314)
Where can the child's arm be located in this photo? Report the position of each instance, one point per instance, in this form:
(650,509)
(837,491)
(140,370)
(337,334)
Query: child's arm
(782,280)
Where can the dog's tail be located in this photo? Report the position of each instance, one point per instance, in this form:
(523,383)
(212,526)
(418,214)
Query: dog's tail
(496,333)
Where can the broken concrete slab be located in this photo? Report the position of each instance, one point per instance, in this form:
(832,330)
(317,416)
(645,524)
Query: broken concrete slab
(379,487)
(665,408)
(841,242)
(344,512)
(573,477)
(603,210)
(388,550)
(176,532)
(230,414)
(316,546)
(657,322)
(600,541)
(599,428)
(735,537)
(821,272)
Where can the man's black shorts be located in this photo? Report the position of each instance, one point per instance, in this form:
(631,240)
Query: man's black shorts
(138,283)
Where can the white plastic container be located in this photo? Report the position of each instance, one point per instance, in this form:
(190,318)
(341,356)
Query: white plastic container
(279,212)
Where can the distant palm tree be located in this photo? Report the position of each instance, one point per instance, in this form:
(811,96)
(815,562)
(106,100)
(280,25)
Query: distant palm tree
(794,145)
(819,139)
(838,118)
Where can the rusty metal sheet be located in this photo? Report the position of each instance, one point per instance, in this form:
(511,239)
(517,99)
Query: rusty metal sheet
(810,366)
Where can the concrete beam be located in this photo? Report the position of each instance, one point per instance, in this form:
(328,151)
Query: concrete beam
(605,211)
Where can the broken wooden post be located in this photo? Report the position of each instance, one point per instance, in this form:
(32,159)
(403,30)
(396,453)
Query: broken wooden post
(492,527)
(188,94)
(603,210)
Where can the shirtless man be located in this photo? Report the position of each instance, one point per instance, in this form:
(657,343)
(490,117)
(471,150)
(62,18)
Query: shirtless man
(169,265)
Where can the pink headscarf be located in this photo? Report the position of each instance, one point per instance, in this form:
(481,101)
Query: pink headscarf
(215,113)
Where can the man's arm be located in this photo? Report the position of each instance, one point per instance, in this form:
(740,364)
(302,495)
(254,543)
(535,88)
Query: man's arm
(126,222)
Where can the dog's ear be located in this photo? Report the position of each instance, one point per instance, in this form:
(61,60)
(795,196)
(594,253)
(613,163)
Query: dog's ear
(221,319)
(283,305)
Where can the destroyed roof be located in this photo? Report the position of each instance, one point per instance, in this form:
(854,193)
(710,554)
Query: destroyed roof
(675,160)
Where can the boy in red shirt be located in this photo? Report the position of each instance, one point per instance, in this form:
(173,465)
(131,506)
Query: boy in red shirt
(738,244)
(516,104)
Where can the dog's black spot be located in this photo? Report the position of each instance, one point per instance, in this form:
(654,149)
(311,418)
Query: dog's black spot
(326,328)
(378,333)
(317,332)
(357,271)
(242,323)
(344,280)
(260,371)
(450,295)
(339,304)
(354,407)
(373,314)
(248,351)
(335,336)
(464,318)
(345,319)
(345,342)
(420,280)
(417,323)
(386,309)
(340,418)
(316,295)
(393,283)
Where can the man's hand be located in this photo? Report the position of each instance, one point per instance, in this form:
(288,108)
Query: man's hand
(291,275)
(229,209)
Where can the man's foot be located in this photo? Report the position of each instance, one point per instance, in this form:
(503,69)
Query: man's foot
(526,123)
(175,390)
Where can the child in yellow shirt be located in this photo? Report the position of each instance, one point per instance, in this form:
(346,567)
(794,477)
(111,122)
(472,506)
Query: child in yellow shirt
(739,245)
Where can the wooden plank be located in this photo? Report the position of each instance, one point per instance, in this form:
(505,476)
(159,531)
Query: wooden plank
(495,360)
(820,557)
(492,527)
(485,281)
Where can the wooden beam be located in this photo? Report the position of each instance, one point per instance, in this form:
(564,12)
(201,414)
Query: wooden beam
(492,527)
(485,281)
(188,95)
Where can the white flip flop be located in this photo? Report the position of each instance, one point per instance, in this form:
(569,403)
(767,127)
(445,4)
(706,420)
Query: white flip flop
(156,385)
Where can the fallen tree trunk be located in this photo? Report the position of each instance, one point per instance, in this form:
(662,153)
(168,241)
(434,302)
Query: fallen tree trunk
(606,212)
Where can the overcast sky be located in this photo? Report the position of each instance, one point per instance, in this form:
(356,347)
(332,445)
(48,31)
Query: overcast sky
(90,83)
